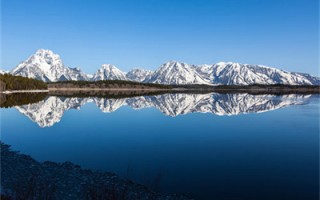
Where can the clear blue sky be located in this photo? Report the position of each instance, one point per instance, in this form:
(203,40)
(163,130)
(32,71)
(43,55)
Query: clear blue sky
(147,33)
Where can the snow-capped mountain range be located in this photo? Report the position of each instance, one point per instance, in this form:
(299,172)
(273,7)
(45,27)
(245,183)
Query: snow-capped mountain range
(50,110)
(48,66)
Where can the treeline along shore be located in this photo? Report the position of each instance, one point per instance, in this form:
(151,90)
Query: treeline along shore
(10,82)
(13,83)
(106,85)
(253,89)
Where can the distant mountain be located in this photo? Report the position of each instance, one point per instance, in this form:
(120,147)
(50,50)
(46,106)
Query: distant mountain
(109,72)
(177,73)
(50,111)
(243,74)
(139,75)
(47,66)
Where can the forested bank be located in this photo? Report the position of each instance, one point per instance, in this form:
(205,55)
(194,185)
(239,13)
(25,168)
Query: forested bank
(107,84)
(10,82)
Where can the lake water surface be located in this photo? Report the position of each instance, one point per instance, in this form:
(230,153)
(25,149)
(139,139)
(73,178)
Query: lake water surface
(208,146)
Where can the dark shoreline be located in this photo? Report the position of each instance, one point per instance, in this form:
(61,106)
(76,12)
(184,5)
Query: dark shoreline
(22,177)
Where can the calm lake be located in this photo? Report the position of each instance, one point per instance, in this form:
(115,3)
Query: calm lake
(208,146)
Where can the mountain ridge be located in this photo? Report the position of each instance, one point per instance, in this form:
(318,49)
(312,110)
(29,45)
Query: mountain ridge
(47,66)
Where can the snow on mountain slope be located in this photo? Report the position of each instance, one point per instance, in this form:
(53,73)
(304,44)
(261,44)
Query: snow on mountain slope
(77,74)
(205,71)
(313,79)
(228,73)
(109,72)
(139,75)
(47,66)
(176,73)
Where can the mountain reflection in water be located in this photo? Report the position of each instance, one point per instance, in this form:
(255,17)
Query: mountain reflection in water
(50,110)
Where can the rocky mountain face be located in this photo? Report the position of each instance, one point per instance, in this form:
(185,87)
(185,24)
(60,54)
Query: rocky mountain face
(139,75)
(243,74)
(177,73)
(50,111)
(47,66)
(109,72)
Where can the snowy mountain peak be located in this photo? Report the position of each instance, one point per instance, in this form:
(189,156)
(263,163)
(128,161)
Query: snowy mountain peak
(176,73)
(47,58)
(174,63)
(108,66)
(223,63)
(109,72)
(47,66)
(46,53)
(43,65)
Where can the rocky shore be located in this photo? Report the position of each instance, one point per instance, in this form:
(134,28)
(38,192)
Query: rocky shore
(24,178)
